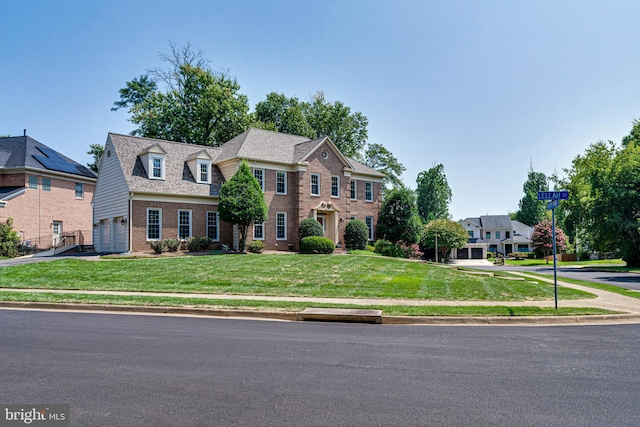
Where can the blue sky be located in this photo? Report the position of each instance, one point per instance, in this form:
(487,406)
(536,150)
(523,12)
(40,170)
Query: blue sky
(483,87)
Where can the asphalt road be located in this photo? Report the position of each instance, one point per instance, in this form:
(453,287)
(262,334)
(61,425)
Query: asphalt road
(125,370)
(614,278)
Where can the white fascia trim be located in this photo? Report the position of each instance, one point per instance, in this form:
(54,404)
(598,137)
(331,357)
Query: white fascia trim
(175,198)
(52,174)
(363,177)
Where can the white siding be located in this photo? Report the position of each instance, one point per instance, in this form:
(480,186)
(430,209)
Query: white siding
(111,196)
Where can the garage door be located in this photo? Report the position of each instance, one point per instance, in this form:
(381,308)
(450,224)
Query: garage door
(476,253)
(463,253)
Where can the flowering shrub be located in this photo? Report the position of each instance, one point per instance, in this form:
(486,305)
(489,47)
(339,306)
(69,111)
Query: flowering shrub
(542,239)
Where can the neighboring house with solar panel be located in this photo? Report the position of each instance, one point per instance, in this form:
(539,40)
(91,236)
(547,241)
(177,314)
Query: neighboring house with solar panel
(494,233)
(151,189)
(48,195)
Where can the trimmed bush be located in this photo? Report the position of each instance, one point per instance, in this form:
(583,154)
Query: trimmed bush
(199,244)
(316,245)
(158,246)
(409,251)
(386,248)
(518,255)
(310,227)
(356,235)
(172,244)
(256,247)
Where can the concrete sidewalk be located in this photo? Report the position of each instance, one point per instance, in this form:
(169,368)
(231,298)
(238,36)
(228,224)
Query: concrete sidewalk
(604,300)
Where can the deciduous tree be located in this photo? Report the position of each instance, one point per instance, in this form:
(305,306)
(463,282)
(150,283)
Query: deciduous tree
(542,239)
(197,106)
(242,202)
(531,210)
(96,151)
(450,235)
(434,194)
(398,219)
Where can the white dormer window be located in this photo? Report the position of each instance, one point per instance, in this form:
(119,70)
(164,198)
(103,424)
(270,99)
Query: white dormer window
(204,172)
(156,166)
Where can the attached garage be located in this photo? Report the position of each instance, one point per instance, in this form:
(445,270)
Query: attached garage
(463,253)
(477,253)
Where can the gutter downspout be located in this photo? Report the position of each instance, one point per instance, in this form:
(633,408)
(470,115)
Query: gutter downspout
(129,226)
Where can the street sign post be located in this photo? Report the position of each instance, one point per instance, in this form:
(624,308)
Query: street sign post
(554,197)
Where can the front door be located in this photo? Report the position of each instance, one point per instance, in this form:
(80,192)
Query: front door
(321,220)
(508,248)
(57,232)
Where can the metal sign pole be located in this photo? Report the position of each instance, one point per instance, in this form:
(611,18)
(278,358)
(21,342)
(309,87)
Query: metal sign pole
(555,263)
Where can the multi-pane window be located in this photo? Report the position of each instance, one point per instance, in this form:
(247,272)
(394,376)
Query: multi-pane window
(369,221)
(487,235)
(281,182)
(315,184)
(368,191)
(203,170)
(46,184)
(281,226)
(184,225)
(156,166)
(33,182)
(213,226)
(335,186)
(79,190)
(154,218)
(507,234)
(258,230)
(497,234)
(353,189)
(470,233)
(259,175)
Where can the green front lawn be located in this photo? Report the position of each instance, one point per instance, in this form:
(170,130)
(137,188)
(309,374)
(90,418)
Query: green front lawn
(294,307)
(349,276)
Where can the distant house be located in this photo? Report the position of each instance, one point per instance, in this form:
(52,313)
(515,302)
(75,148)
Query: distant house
(47,194)
(151,189)
(494,233)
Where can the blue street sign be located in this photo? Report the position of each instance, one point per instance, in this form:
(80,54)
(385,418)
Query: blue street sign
(553,204)
(553,195)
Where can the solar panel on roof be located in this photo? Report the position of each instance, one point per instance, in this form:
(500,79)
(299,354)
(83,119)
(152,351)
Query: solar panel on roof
(53,161)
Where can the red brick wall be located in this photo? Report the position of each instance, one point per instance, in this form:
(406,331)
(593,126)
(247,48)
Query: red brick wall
(34,211)
(170,222)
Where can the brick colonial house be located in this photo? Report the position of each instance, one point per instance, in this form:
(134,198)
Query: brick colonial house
(47,194)
(151,189)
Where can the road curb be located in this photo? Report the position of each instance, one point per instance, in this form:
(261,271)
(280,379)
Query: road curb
(293,316)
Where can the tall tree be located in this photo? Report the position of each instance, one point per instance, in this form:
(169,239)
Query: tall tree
(379,158)
(284,114)
(434,194)
(242,202)
(532,211)
(398,219)
(96,151)
(198,105)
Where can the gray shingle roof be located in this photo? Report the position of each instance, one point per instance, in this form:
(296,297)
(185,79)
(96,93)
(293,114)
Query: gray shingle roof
(496,222)
(23,151)
(178,178)
(254,144)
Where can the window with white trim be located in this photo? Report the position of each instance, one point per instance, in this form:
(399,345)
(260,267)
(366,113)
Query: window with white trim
(497,234)
(184,224)
(33,182)
(213,226)
(154,224)
(281,182)
(487,235)
(46,184)
(353,188)
(79,190)
(335,186)
(369,221)
(281,226)
(368,191)
(204,169)
(315,184)
(258,230)
(157,167)
(259,175)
